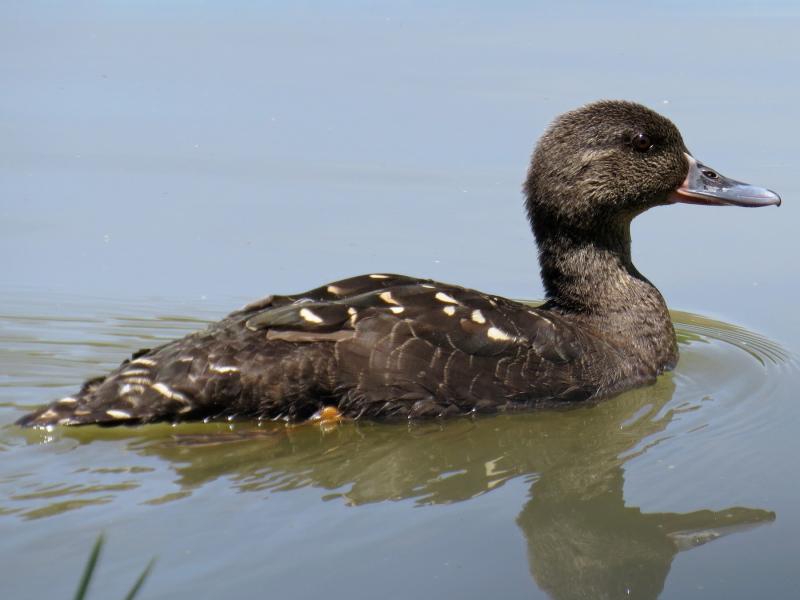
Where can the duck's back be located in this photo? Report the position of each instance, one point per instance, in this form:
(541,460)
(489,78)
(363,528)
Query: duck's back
(378,346)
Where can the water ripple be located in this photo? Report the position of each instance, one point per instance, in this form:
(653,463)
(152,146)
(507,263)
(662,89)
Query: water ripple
(720,390)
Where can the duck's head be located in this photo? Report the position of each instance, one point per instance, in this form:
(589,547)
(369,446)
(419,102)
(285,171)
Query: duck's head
(608,161)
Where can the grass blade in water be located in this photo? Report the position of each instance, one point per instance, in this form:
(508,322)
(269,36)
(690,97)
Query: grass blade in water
(88,571)
(139,582)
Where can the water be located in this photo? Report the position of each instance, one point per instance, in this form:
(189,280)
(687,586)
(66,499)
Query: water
(162,165)
(600,490)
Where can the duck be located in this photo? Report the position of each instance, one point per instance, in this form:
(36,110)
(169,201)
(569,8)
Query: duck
(385,346)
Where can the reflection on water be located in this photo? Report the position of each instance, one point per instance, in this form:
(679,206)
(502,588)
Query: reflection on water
(583,541)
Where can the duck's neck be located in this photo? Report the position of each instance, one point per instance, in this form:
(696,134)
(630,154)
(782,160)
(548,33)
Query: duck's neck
(589,275)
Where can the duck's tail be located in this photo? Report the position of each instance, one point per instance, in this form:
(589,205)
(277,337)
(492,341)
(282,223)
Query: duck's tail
(131,394)
(224,371)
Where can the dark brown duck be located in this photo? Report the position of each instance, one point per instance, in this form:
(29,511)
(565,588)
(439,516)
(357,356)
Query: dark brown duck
(389,346)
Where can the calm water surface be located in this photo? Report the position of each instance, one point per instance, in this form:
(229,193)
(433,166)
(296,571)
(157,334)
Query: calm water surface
(162,164)
(598,501)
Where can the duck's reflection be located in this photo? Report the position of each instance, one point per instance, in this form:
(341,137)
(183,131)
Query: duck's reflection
(590,545)
(583,541)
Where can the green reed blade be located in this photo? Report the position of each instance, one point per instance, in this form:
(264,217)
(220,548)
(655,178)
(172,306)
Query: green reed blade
(86,578)
(140,581)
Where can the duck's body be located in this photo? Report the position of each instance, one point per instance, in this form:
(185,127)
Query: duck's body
(385,346)
(374,346)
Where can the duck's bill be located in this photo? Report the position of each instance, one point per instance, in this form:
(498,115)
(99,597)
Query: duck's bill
(705,186)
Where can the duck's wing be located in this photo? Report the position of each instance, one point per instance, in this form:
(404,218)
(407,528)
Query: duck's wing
(336,290)
(413,347)
(375,345)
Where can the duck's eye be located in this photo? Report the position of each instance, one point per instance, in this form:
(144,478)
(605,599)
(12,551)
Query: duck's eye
(641,142)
